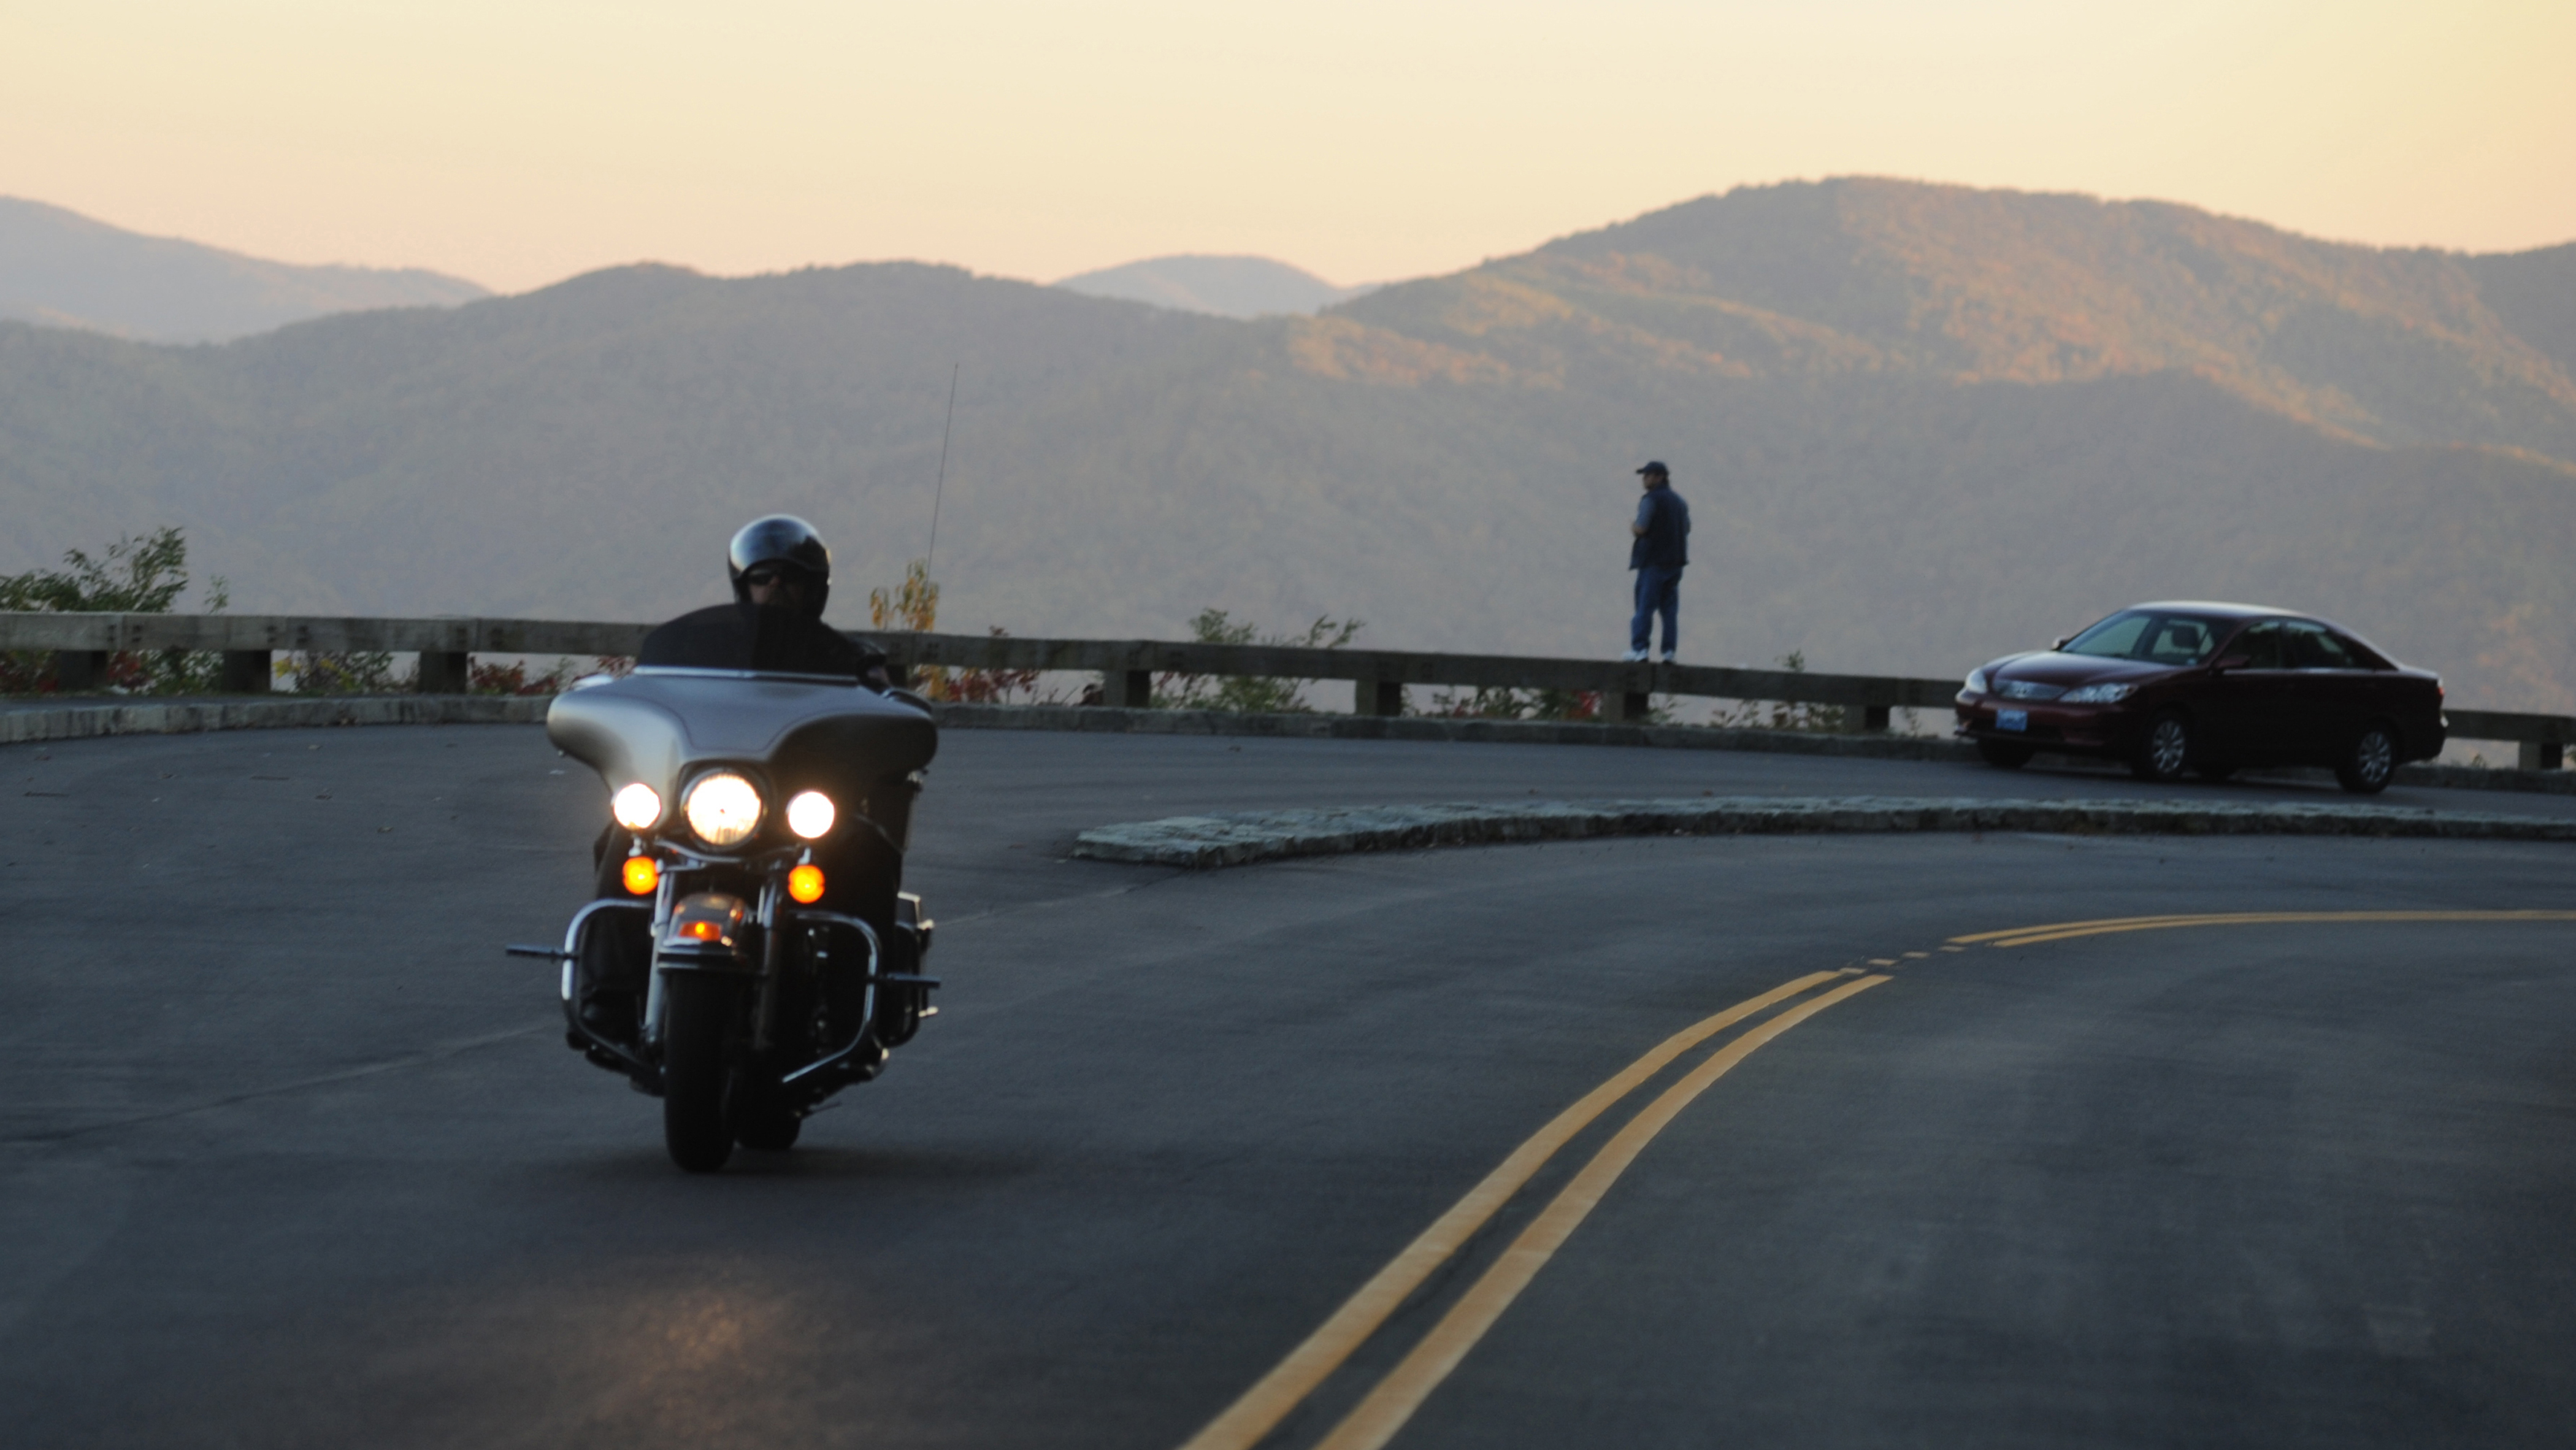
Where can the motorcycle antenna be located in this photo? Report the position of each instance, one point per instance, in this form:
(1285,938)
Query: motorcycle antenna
(945,428)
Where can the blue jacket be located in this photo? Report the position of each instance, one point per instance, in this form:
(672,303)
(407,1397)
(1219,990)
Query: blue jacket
(1666,540)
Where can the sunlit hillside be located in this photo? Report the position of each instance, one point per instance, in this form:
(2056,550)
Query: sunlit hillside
(1918,425)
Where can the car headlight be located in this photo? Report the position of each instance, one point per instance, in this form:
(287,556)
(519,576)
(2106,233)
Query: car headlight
(637,807)
(723,808)
(1976,682)
(810,814)
(2097,694)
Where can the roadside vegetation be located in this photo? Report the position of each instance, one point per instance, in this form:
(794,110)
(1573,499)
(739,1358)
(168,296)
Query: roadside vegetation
(148,574)
(144,574)
(1485,703)
(1249,694)
(1779,714)
(914,606)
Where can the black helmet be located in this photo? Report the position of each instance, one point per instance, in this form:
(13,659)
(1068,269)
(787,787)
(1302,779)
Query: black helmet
(786,542)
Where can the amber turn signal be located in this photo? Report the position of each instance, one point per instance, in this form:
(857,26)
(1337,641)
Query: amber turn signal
(702,930)
(641,875)
(805,883)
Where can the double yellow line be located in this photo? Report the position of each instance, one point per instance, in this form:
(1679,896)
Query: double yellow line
(2023,936)
(1386,1409)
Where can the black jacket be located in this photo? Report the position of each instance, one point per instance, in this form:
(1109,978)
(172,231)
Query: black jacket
(743,637)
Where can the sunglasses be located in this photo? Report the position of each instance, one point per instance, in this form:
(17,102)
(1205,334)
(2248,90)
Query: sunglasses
(763,577)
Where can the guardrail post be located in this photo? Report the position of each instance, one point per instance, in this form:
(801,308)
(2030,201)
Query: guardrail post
(443,672)
(1129,689)
(1865,717)
(79,671)
(1377,697)
(2542,755)
(245,672)
(1625,707)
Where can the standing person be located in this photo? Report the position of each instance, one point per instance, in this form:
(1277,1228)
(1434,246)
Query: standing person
(1661,547)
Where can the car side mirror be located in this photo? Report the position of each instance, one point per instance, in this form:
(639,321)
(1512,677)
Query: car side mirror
(2061,641)
(2231,662)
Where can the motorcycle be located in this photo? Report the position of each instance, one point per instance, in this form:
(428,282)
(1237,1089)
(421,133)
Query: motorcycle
(762,820)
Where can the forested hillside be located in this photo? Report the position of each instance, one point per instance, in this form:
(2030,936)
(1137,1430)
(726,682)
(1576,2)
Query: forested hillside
(64,269)
(1917,426)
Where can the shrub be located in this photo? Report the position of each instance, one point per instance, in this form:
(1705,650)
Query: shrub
(493,677)
(996,687)
(1781,714)
(1248,694)
(337,672)
(1509,704)
(913,607)
(144,574)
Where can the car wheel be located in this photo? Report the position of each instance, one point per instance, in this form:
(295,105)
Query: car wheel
(2371,763)
(2165,753)
(2003,754)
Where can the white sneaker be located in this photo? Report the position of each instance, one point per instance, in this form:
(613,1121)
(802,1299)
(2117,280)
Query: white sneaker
(1633,657)
(1668,657)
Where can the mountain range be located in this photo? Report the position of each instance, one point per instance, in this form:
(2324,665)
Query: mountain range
(61,268)
(1218,286)
(1918,426)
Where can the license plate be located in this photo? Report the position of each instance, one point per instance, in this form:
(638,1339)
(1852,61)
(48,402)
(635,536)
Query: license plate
(2012,719)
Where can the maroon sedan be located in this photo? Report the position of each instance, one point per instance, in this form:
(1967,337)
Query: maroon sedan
(2208,689)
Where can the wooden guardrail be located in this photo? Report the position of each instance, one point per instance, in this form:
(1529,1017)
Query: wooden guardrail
(1126,667)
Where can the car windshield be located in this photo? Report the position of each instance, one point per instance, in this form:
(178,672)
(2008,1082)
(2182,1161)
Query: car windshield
(2150,635)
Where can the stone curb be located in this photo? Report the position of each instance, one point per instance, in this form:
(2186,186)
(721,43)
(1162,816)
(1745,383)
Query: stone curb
(29,724)
(1111,720)
(1114,720)
(1240,838)
(149,716)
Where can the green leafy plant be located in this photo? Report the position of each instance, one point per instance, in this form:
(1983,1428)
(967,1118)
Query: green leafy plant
(143,574)
(337,672)
(1249,694)
(1491,703)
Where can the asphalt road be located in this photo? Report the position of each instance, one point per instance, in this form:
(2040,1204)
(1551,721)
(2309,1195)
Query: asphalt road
(290,1156)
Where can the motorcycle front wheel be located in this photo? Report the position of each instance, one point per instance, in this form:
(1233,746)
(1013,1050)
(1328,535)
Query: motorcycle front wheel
(698,1015)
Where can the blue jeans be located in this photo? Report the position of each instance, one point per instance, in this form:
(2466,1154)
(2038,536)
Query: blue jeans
(1658,592)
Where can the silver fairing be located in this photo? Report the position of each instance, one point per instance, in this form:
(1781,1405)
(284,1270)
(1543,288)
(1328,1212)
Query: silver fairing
(664,726)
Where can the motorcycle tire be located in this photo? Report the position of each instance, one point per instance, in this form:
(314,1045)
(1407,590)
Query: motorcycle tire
(759,1121)
(698,1015)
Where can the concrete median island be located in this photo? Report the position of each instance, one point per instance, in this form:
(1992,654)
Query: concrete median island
(1244,837)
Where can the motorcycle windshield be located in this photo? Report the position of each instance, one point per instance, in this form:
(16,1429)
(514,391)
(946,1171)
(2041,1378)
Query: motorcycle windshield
(662,726)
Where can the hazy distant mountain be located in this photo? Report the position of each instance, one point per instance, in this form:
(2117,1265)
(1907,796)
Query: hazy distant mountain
(62,269)
(1917,426)
(1222,286)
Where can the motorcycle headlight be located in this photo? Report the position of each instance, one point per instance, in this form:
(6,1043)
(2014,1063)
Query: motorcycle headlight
(722,808)
(1976,682)
(2097,694)
(637,807)
(810,815)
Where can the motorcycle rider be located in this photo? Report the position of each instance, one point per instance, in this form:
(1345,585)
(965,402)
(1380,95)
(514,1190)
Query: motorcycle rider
(781,573)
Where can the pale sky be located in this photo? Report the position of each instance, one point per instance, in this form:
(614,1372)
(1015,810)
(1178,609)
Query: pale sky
(521,143)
